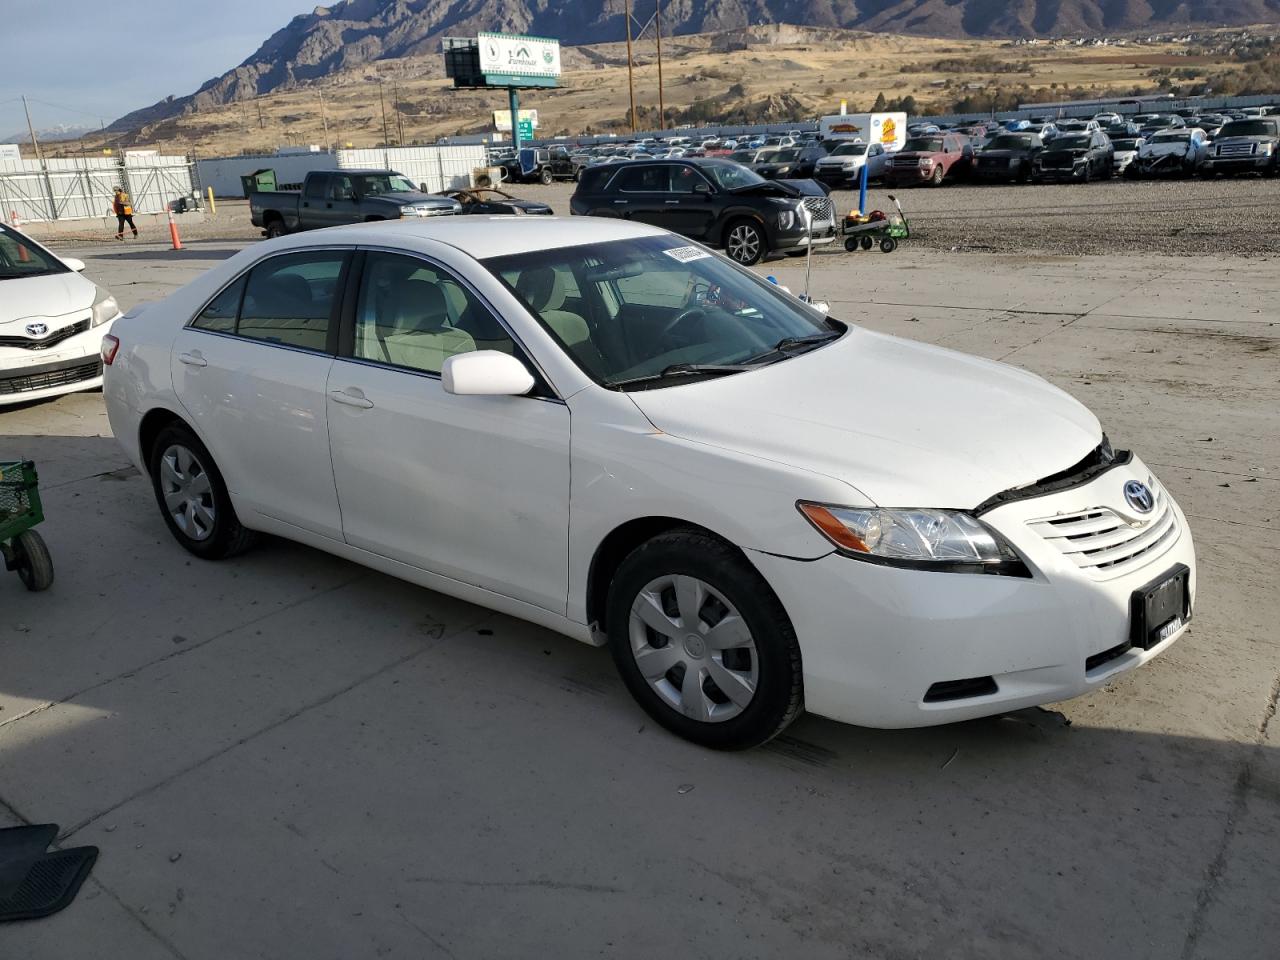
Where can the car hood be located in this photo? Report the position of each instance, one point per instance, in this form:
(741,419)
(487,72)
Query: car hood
(1173,149)
(782,188)
(410,198)
(1006,154)
(843,159)
(914,157)
(50,295)
(905,423)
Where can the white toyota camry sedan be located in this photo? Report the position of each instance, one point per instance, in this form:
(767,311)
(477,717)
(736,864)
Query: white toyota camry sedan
(604,429)
(51,322)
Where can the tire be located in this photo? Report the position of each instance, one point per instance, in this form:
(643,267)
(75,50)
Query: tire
(867,243)
(851,244)
(888,245)
(179,463)
(32,561)
(745,242)
(1088,174)
(545,177)
(766,669)
(938,176)
(275,228)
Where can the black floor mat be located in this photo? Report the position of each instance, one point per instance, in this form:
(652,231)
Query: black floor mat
(34,883)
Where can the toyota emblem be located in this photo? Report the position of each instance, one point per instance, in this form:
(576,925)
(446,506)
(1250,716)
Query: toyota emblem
(37,329)
(1139,496)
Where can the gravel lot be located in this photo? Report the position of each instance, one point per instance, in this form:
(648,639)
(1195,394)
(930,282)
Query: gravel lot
(1172,217)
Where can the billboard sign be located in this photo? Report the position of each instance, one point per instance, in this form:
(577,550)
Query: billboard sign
(511,55)
(502,120)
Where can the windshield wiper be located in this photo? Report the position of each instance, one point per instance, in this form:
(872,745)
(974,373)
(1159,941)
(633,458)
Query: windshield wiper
(790,343)
(686,369)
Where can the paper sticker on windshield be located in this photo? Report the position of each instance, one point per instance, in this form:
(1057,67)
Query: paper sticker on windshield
(686,254)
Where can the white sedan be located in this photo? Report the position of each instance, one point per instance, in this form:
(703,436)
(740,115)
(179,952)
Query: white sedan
(602,428)
(51,322)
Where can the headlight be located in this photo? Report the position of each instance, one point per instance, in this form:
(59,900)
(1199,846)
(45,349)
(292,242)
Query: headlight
(943,540)
(408,212)
(104,308)
(786,219)
(1266,149)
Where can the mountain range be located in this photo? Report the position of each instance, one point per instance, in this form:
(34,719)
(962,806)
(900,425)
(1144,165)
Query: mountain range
(355,32)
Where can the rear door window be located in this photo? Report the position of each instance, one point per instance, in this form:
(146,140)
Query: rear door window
(656,179)
(290,299)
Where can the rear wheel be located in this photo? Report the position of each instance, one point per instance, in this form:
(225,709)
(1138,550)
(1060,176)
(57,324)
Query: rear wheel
(851,244)
(275,228)
(745,242)
(888,245)
(867,243)
(193,497)
(32,561)
(703,643)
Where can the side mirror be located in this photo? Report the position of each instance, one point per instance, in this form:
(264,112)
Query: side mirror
(486,373)
(702,188)
(74,264)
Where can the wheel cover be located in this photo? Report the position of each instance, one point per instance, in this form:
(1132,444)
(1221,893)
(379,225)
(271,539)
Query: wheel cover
(693,648)
(187,492)
(744,243)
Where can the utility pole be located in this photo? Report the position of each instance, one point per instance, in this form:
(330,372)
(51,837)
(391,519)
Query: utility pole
(32,130)
(395,105)
(48,183)
(631,83)
(662,106)
(382,100)
(261,124)
(324,119)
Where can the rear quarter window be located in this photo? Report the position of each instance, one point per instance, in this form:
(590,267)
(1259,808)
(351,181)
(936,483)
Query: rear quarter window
(594,179)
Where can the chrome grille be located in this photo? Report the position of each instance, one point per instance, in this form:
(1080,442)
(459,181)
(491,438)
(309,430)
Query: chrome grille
(821,210)
(1236,149)
(1104,543)
(48,340)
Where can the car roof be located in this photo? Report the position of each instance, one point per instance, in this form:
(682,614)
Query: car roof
(482,237)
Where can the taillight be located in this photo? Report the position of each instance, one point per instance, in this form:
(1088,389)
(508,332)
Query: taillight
(110,347)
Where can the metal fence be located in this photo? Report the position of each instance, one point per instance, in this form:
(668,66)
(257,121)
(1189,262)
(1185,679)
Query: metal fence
(435,168)
(81,188)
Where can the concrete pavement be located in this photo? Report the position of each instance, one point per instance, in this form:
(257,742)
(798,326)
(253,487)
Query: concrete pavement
(290,756)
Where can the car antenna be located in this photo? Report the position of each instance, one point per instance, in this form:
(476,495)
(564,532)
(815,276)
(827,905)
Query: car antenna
(808,257)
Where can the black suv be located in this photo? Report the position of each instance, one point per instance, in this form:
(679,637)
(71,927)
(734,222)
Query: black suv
(1008,157)
(1079,157)
(717,201)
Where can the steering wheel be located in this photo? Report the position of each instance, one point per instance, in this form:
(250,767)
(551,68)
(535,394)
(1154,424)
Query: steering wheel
(693,313)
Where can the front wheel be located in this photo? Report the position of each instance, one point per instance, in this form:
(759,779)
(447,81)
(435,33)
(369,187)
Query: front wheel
(32,561)
(703,643)
(745,243)
(193,497)
(888,245)
(938,175)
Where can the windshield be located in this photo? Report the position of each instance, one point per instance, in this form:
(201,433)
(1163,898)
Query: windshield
(1011,143)
(21,258)
(743,156)
(1126,144)
(1071,143)
(922,145)
(730,176)
(632,309)
(372,184)
(849,150)
(784,156)
(1171,137)
(1250,128)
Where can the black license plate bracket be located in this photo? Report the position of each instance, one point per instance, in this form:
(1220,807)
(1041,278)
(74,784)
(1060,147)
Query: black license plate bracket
(1161,608)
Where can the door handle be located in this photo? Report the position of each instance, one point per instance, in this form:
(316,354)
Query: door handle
(620,201)
(351,399)
(672,202)
(193,359)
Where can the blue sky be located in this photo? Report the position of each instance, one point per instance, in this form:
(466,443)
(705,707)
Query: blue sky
(105,59)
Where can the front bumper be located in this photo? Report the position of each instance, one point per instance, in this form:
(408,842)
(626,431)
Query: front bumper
(897,176)
(790,240)
(1250,164)
(71,366)
(874,639)
(1061,174)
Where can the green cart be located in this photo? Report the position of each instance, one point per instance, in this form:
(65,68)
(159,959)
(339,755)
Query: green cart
(21,547)
(887,231)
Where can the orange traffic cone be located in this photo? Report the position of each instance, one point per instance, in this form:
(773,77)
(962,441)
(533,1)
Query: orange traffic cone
(23,256)
(173,230)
